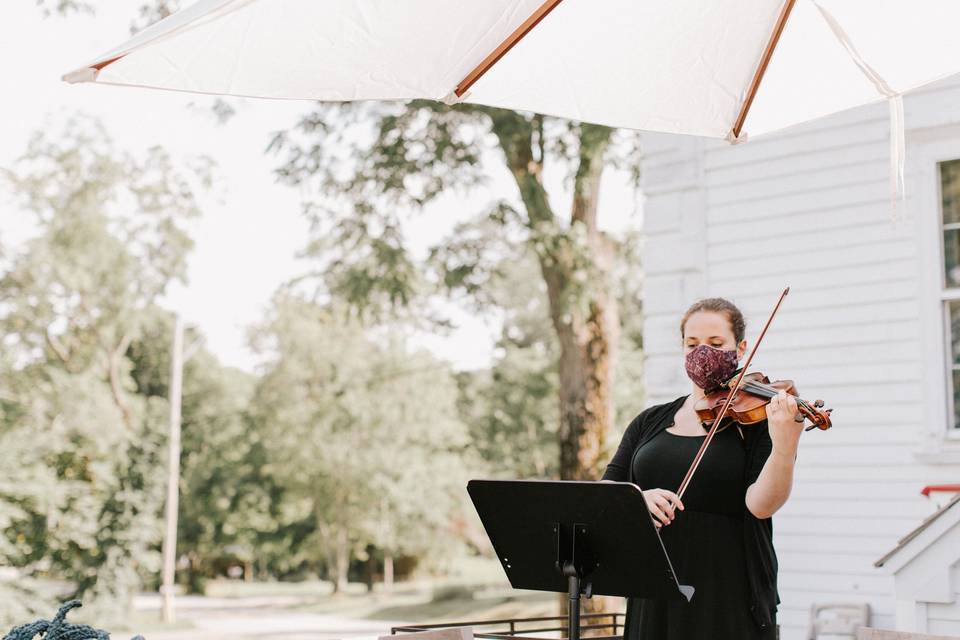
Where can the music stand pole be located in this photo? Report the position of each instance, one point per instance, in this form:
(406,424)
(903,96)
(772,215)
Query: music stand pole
(573,607)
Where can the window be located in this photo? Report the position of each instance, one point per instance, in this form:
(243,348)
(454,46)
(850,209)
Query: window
(934,192)
(949,173)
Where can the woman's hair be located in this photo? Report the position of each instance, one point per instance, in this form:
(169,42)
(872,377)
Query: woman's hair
(718,305)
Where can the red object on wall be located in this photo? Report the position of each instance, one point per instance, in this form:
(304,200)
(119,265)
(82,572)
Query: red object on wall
(930,488)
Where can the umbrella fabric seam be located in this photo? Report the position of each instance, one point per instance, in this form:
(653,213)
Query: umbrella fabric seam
(897,125)
(236,61)
(506,45)
(226,7)
(456,80)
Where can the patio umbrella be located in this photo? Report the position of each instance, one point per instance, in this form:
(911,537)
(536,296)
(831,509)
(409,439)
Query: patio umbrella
(718,69)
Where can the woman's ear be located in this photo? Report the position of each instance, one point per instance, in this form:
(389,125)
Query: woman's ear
(741,349)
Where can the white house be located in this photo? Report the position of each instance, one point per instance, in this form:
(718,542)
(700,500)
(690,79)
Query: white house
(871,325)
(926,569)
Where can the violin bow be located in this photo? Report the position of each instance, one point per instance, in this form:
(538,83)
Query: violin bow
(723,410)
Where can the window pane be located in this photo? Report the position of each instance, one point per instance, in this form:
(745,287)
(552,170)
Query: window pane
(954,311)
(950,191)
(951,258)
(956,399)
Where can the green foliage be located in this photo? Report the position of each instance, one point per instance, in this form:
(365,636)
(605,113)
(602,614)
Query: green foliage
(111,237)
(361,434)
(149,12)
(628,394)
(154,11)
(226,498)
(81,488)
(63,7)
(512,413)
(368,167)
(349,443)
(511,408)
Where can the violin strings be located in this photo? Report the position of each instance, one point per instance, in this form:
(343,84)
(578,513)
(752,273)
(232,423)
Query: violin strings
(770,391)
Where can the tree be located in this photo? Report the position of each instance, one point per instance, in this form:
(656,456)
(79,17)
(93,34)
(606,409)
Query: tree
(361,434)
(149,12)
(228,500)
(370,165)
(383,160)
(109,239)
(511,407)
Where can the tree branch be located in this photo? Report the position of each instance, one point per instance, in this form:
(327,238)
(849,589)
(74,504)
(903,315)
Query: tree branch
(515,134)
(55,345)
(594,140)
(115,385)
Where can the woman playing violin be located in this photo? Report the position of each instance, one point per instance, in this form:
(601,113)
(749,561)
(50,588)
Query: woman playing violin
(719,536)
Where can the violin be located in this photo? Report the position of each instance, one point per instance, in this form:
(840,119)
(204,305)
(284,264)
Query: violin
(749,403)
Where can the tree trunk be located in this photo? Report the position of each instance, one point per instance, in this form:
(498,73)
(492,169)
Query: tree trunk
(583,307)
(579,287)
(342,561)
(370,570)
(586,355)
(388,572)
(168,614)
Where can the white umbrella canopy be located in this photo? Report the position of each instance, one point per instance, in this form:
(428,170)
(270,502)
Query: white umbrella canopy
(717,69)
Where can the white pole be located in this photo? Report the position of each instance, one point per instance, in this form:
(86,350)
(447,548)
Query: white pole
(173,474)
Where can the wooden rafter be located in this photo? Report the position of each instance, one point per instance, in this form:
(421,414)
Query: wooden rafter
(505,46)
(762,67)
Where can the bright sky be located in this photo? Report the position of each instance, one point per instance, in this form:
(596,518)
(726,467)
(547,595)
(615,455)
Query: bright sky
(247,238)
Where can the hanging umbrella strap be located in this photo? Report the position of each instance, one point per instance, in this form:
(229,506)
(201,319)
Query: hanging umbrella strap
(895,100)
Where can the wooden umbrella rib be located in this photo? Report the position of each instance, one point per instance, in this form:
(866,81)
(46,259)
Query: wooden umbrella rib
(505,46)
(100,65)
(762,67)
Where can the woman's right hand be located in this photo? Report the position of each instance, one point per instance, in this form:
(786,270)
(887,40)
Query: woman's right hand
(662,505)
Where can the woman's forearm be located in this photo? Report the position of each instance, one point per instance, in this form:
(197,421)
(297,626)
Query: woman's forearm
(772,488)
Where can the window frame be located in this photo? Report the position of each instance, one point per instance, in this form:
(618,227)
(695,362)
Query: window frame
(940,438)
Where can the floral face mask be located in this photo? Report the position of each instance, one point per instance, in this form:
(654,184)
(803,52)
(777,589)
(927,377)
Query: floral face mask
(709,367)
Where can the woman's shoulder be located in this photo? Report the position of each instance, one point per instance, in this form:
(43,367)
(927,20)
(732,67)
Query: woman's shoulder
(669,406)
(650,417)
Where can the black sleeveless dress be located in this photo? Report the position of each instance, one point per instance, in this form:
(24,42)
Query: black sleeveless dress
(704,542)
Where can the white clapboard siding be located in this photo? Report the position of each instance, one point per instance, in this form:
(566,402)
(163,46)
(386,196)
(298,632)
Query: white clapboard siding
(825,222)
(829,176)
(808,162)
(944,619)
(841,295)
(810,208)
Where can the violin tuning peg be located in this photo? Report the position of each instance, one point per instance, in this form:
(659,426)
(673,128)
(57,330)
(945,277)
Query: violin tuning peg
(818,403)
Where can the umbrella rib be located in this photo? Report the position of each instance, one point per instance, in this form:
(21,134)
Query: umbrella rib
(762,67)
(505,46)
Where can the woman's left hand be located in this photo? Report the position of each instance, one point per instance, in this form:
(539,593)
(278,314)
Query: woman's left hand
(784,430)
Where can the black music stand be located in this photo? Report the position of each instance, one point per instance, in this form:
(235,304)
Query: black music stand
(576,537)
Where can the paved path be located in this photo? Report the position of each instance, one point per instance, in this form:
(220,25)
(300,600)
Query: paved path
(263,618)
